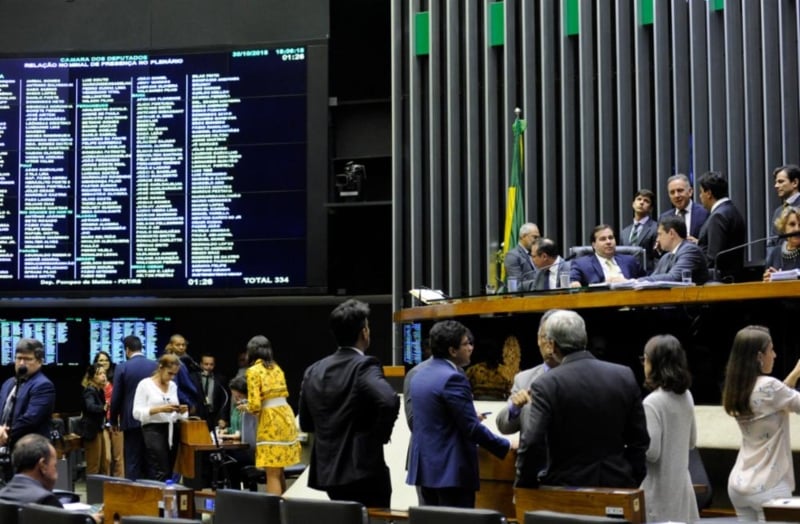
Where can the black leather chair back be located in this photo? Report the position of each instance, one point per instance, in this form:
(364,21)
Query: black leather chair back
(447,515)
(306,511)
(36,514)
(246,507)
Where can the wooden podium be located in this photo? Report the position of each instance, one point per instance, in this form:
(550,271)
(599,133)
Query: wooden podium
(600,502)
(124,499)
(194,433)
(497,483)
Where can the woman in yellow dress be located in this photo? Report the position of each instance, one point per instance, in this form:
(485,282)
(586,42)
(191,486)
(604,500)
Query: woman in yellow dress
(276,437)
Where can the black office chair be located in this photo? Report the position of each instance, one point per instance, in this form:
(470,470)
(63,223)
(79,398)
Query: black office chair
(66,497)
(447,515)
(634,251)
(554,517)
(156,520)
(37,514)
(9,513)
(245,507)
(305,511)
(94,486)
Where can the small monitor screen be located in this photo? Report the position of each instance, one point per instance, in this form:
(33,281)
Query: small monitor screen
(412,343)
(63,339)
(108,335)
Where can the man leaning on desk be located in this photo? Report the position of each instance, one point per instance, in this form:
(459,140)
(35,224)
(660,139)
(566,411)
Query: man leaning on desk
(679,253)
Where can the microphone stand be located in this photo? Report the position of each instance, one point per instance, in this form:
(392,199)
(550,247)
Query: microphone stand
(6,458)
(714,271)
(219,458)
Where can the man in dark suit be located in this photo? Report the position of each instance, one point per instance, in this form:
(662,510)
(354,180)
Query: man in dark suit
(679,254)
(444,456)
(642,232)
(126,378)
(787,186)
(34,460)
(518,260)
(605,265)
(215,392)
(28,398)
(586,424)
(549,266)
(347,403)
(724,228)
(680,194)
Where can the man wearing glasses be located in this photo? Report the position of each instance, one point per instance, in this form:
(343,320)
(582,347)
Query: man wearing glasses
(28,398)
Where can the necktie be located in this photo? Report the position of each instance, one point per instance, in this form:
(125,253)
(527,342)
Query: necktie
(613,269)
(546,278)
(634,234)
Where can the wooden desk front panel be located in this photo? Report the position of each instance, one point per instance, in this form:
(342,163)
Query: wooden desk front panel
(504,304)
(123,499)
(600,502)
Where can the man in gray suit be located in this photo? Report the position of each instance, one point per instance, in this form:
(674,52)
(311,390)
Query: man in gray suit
(509,418)
(679,254)
(518,260)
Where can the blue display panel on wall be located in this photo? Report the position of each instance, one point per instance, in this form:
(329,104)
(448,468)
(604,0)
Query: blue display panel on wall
(155,173)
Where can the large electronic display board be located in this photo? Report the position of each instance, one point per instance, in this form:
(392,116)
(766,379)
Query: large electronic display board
(182,171)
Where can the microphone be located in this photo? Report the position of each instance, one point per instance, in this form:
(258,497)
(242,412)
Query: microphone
(743,245)
(786,235)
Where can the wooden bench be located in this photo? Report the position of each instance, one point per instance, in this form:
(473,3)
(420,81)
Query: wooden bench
(627,504)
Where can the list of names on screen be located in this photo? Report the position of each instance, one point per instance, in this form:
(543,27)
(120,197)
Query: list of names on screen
(154,172)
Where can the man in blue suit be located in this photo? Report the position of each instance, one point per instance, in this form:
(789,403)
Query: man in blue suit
(126,378)
(28,398)
(444,456)
(679,254)
(605,265)
(680,194)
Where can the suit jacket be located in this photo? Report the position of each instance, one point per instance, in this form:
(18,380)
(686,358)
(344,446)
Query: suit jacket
(724,229)
(538,282)
(519,264)
(34,406)
(408,409)
(446,430)
(220,403)
(350,407)
(507,424)
(699,217)
(126,378)
(587,269)
(94,413)
(22,489)
(585,427)
(687,256)
(646,240)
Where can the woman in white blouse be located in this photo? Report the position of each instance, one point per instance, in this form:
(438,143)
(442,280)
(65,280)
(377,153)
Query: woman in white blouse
(761,405)
(156,406)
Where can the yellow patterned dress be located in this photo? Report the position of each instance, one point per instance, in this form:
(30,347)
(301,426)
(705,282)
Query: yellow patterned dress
(276,437)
